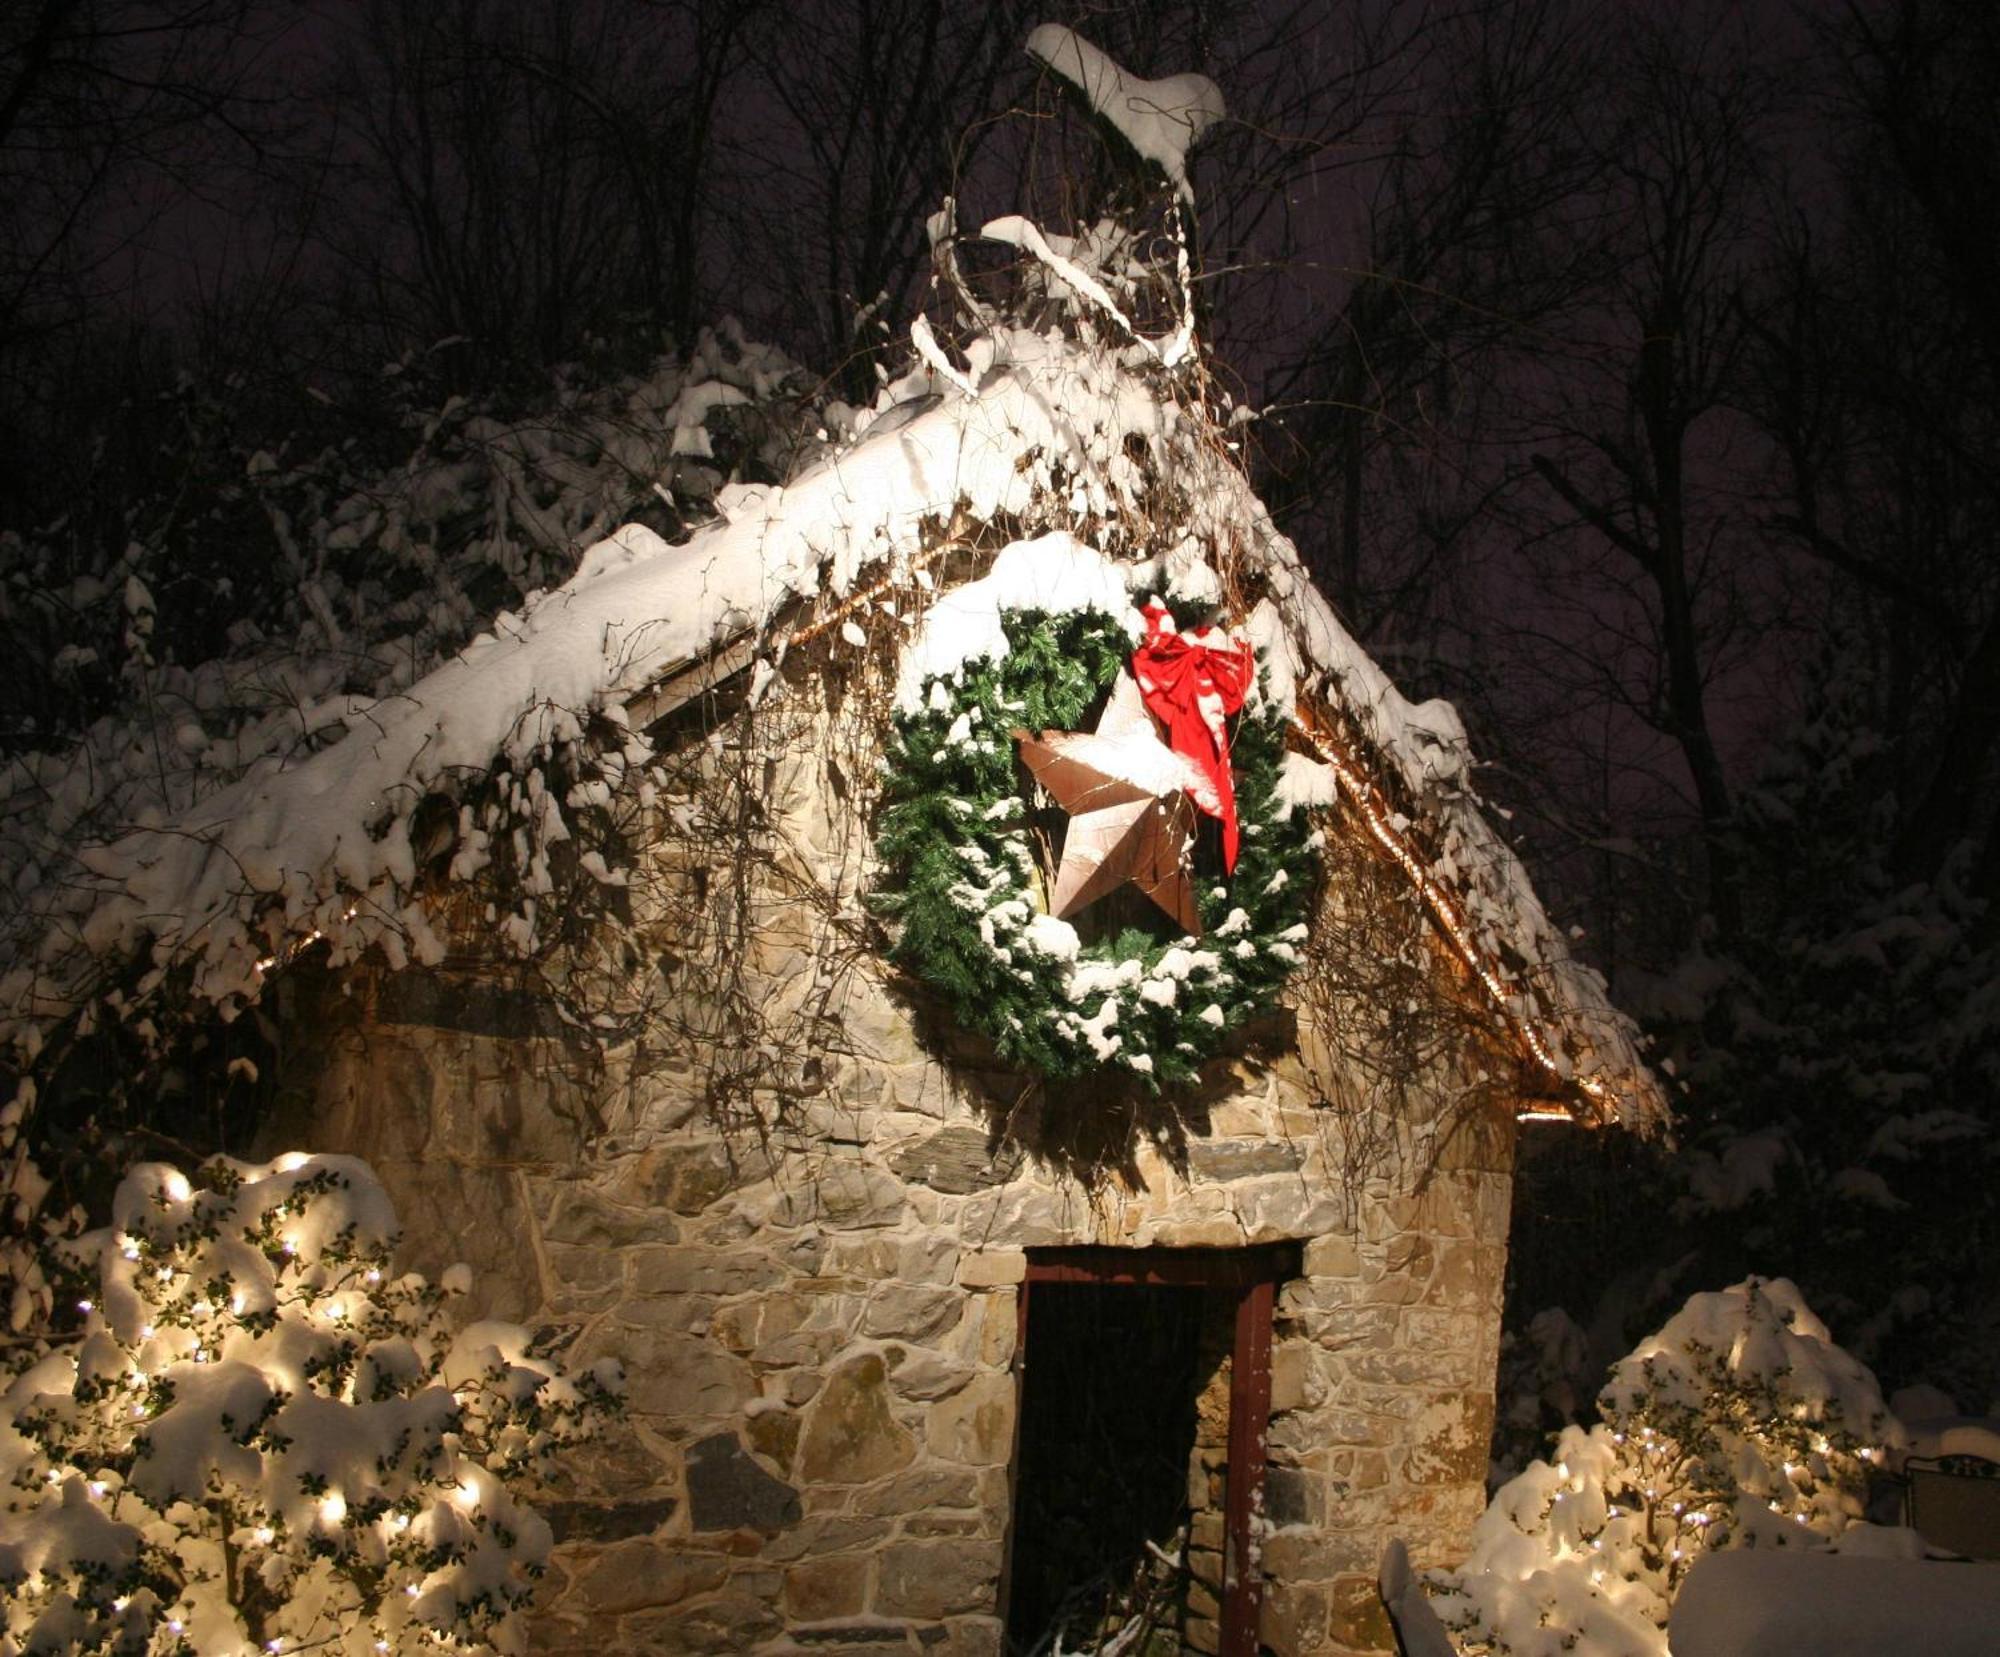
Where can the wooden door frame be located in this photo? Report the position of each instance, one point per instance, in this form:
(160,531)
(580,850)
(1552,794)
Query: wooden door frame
(1254,1274)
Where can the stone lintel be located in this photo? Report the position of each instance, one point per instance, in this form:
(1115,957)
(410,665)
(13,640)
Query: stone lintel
(992,1268)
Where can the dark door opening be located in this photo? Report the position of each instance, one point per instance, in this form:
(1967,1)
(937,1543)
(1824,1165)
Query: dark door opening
(1145,1395)
(1107,1433)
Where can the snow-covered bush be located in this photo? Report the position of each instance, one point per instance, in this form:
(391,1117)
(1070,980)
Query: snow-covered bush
(1739,1424)
(259,1438)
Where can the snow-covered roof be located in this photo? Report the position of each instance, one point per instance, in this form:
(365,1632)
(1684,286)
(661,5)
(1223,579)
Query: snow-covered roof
(1034,431)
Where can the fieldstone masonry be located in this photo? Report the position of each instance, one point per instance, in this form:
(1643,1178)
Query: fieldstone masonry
(818,1325)
(815,1445)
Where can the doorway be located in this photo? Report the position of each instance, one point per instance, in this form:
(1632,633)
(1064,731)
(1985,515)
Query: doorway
(1145,1396)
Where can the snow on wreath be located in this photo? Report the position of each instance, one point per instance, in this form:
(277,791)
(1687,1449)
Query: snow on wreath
(1026,721)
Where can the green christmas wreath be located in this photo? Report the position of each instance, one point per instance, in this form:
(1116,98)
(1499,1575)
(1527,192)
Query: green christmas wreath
(960,874)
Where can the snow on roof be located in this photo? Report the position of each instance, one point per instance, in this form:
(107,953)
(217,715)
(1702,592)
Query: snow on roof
(323,845)
(1160,119)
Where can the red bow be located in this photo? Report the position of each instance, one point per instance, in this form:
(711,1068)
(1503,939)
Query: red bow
(1192,686)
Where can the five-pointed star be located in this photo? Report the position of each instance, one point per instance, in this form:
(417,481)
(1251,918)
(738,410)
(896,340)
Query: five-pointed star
(1129,815)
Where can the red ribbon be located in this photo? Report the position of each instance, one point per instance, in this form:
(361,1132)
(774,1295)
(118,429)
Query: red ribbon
(1192,685)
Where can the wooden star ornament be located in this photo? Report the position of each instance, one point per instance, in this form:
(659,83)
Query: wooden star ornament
(1130,818)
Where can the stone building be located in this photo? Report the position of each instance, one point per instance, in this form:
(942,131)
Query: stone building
(919,1346)
(580,941)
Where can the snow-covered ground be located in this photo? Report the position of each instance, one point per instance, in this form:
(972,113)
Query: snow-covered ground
(1764,1602)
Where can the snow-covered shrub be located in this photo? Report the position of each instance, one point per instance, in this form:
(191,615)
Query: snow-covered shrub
(260,1438)
(1739,1424)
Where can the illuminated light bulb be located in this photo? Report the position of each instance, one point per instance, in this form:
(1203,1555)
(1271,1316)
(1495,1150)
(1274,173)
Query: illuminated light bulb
(1617,1438)
(1562,1469)
(98,1487)
(1776,1508)
(130,1250)
(467,1497)
(263,1535)
(175,1625)
(54,1476)
(145,1331)
(139,1411)
(291,1245)
(334,1508)
(374,1276)
(274,1645)
(120,1603)
(1677,1553)
(401,1521)
(165,1274)
(236,1303)
(177,1186)
(1678,1506)
(410,1589)
(86,1305)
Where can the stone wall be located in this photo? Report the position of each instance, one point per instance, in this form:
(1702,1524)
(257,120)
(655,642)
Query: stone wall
(817,1317)
(814,1450)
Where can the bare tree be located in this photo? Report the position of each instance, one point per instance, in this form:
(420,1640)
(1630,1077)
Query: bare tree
(1465,250)
(525,179)
(1921,73)
(1635,449)
(864,114)
(114,116)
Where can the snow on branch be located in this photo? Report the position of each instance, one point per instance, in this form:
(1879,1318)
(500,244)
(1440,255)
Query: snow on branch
(1016,231)
(1160,119)
(933,355)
